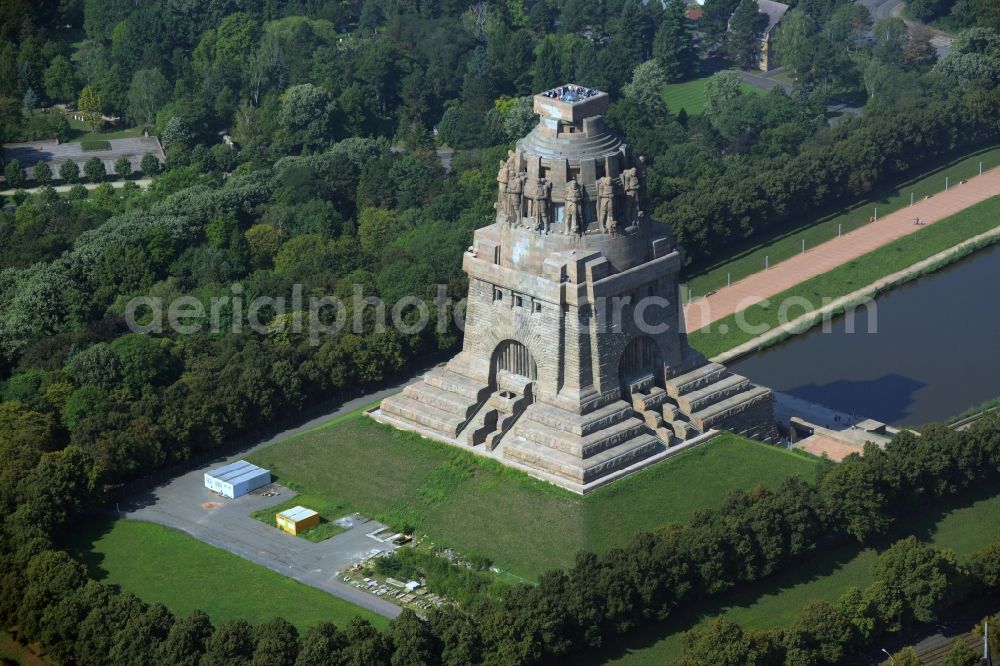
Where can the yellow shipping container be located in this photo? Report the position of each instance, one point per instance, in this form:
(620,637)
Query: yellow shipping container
(297,519)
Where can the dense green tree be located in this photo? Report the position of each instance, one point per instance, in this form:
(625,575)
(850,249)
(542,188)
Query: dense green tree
(724,643)
(306,116)
(796,44)
(721,88)
(14,174)
(961,655)
(123,167)
(96,365)
(148,92)
(848,25)
(673,45)
(922,576)
(42,173)
(412,640)
(91,108)
(69,171)
(231,644)
(60,80)
(745,31)
(646,87)
(94,170)
(320,645)
(150,165)
(821,634)
(891,36)
(275,643)
(83,402)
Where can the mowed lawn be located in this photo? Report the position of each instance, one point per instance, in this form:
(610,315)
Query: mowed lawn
(159,564)
(480,507)
(963,525)
(690,95)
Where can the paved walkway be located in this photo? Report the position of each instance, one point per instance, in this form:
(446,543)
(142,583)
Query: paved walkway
(827,256)
(117,184)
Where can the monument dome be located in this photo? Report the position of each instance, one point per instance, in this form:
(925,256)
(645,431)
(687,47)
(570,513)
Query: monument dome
(574,365)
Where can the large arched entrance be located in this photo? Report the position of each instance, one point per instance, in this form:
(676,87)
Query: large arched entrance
(641,356)
(513,357)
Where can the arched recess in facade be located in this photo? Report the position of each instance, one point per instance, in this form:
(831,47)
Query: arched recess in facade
(641,356)
(514,357)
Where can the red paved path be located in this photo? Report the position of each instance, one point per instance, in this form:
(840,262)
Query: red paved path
(827,256)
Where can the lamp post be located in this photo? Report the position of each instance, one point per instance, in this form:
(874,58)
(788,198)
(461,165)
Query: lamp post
(890,656)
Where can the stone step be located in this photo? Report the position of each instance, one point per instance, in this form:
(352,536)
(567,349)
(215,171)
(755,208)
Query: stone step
(683,430)
(639,383)
(576,445)
(651,399)
(695,379)
(717,414)
(573,468)
(712,393)
(652,419)
(446,401)
(451,381)
(585,424)
(405,407)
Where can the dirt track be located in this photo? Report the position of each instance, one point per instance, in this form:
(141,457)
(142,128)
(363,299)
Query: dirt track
(827,256)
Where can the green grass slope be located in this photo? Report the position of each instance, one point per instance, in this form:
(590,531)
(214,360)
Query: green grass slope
(480,507)
(159,564)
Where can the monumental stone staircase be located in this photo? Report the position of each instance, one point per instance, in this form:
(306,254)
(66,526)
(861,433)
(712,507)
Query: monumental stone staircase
(509,423)
(442,403)
(580,448)
(710,396)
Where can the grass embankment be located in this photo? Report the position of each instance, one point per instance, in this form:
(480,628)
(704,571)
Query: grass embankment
(781,244)
(328,512)
(482,508)
(158,564)
(963,525)
(898,255)
(690,95)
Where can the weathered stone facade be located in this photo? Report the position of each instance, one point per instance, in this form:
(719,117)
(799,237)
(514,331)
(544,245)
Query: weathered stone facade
(574,367)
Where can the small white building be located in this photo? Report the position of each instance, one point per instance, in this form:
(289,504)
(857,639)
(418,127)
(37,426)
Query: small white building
(236,479)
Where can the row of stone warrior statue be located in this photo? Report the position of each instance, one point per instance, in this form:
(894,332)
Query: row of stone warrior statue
(617,199)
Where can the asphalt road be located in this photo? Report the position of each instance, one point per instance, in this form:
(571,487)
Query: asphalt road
(881,9)
(183,503)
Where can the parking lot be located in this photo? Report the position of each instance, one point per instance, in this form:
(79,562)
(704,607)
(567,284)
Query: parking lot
(55,153)
(185,504)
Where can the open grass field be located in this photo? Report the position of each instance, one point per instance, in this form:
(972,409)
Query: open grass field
(780,244)
(690,95)
(158,564)
(328,512)
(865,270)
(15,653)
(963,524)
(479,507)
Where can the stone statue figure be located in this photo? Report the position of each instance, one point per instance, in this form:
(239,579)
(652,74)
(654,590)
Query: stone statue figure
(606,204)
(574,206)
(630,183)
(503,177)
(515,189)
(538,191)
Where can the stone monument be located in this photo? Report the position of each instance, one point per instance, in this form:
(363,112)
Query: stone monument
(575,367)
